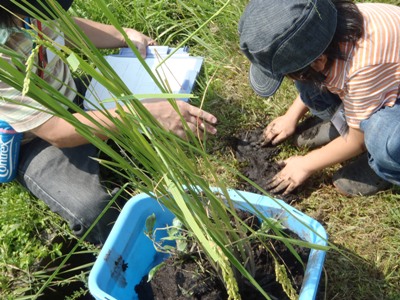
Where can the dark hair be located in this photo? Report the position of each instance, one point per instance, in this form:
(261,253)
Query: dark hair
(350,28)
(6,18)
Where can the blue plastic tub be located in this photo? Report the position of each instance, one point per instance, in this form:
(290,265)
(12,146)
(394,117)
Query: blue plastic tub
(128,254)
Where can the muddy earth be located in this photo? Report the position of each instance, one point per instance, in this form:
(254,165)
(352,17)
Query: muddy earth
(256,163)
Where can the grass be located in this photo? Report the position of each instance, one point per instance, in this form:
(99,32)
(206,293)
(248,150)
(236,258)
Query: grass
(26,227)
(366,229)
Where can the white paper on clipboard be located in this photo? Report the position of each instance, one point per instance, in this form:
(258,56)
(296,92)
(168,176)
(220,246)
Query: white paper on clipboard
(179,73)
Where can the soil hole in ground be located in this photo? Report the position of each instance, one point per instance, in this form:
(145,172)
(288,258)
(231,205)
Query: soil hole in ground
(255,162)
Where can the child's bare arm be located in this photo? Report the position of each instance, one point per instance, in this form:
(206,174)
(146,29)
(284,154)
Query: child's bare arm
(297,169)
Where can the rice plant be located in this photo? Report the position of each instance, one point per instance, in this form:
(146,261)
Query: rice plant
(150,159)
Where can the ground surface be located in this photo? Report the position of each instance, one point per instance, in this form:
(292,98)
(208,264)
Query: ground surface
(256,163)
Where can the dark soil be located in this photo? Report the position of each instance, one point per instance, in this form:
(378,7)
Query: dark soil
(191,277)
(256,163)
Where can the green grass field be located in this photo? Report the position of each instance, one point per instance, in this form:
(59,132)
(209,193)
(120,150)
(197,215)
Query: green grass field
(366,229)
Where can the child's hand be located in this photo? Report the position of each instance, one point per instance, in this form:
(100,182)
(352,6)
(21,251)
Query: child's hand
(278,130)
(293,174)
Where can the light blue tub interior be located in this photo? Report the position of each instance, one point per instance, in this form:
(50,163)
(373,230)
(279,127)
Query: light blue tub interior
(128,254)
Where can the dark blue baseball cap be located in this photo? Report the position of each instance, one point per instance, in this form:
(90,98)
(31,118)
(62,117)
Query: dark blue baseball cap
(42,7)
(283,36)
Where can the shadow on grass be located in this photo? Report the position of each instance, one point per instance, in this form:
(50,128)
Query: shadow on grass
(70,281)
(351,277)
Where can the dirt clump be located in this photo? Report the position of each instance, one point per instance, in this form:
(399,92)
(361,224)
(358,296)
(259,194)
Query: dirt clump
(258,163)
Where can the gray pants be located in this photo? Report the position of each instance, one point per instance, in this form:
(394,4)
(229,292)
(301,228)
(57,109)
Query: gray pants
(68,181)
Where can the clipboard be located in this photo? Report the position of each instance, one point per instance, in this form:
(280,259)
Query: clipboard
(179,72)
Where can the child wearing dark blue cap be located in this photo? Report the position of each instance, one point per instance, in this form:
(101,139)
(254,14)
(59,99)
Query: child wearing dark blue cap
(345,61)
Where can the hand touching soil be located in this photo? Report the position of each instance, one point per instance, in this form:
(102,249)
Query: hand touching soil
(257,163)
(277,131)
(292,175)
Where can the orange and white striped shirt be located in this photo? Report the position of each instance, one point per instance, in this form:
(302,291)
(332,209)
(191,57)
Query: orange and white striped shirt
(370,78)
